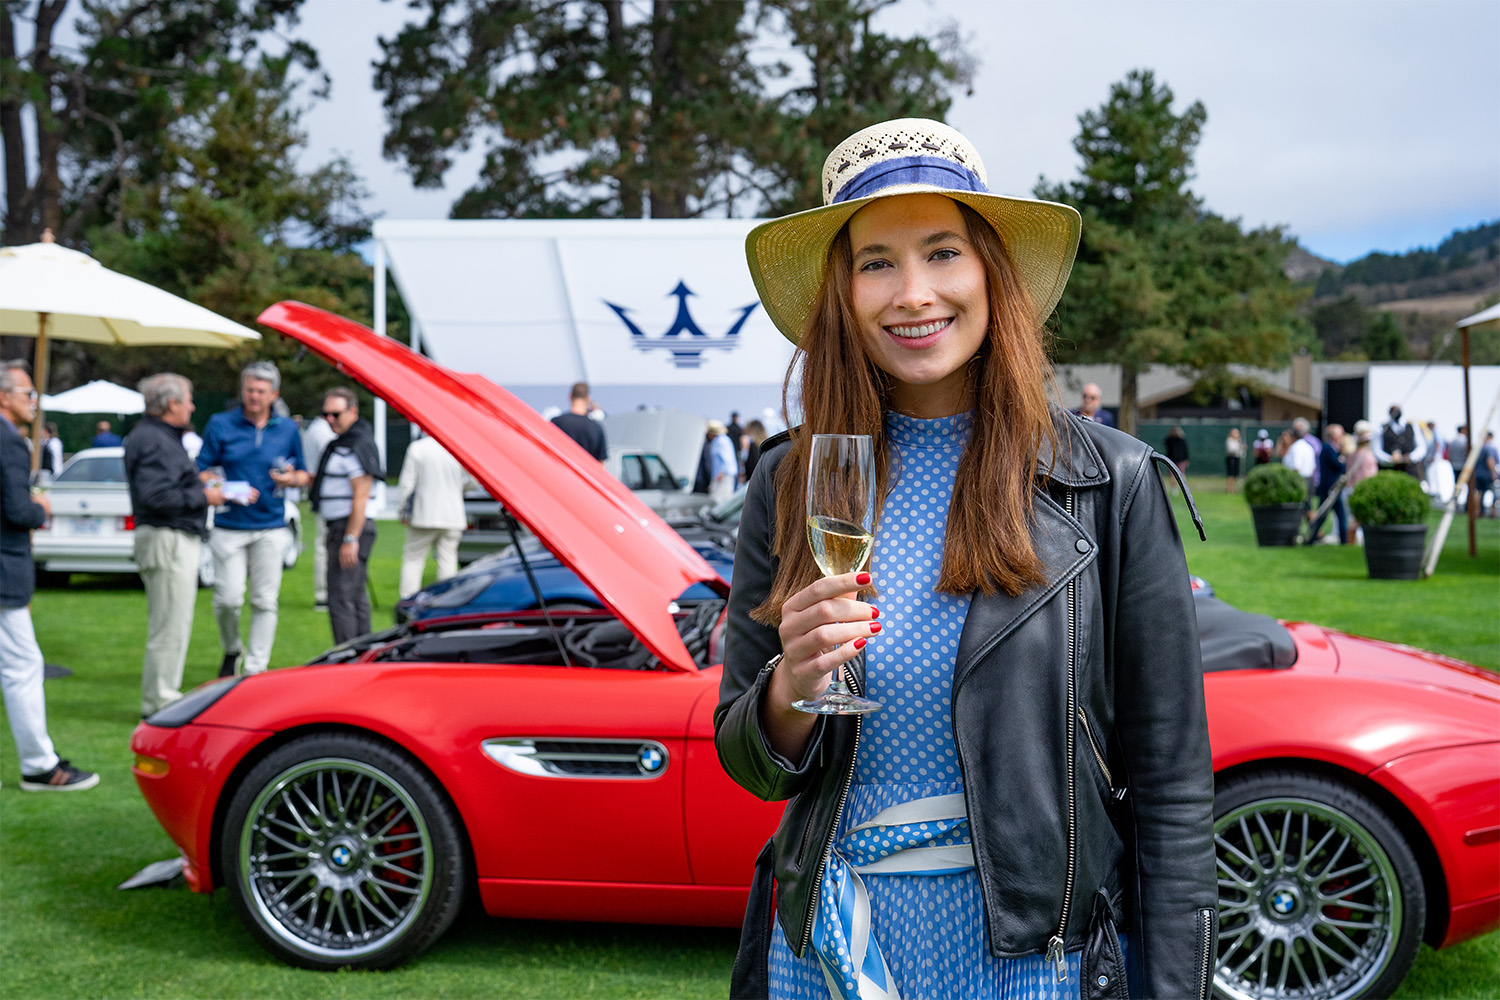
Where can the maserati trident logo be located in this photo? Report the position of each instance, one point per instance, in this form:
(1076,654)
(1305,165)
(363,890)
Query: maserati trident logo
(685,340)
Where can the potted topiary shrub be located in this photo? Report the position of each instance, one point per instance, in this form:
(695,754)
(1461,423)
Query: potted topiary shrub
(1392,510)
(1278,502)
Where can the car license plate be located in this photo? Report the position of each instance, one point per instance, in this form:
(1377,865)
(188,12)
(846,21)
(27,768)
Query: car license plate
(86,525)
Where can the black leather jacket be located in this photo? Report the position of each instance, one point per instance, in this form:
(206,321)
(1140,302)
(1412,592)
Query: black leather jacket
(1080,727)
(165,491)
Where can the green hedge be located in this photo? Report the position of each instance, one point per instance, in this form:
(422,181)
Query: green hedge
(1389,498)
(1272,484)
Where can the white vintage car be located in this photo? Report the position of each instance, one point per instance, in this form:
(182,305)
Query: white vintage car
(92,528)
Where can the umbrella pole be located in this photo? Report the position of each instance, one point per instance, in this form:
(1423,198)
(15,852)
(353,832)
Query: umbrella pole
(39,365)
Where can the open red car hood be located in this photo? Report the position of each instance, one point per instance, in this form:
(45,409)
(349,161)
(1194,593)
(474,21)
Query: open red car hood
(588,518)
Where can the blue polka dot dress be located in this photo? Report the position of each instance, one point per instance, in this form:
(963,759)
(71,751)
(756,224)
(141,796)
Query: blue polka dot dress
(930,928)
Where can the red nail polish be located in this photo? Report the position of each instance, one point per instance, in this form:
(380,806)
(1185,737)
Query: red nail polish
(859,643)
(874,628)
(862,579)
(874,612)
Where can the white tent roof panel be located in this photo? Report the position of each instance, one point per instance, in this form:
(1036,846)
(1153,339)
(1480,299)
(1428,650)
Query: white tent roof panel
(651,312)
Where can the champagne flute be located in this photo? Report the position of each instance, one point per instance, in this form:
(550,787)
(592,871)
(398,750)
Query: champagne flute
(840,529)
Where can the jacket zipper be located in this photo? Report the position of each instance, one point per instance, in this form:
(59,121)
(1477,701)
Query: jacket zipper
(1055,946)
(1094,746)
(1206,962)
(817,888)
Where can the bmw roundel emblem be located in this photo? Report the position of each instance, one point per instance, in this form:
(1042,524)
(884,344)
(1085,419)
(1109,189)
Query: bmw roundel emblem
(1283,902)
(650,759)
(341,855)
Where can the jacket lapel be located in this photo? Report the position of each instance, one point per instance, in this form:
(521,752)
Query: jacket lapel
(1056,537)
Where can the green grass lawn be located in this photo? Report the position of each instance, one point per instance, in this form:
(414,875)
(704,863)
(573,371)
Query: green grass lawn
(65,931)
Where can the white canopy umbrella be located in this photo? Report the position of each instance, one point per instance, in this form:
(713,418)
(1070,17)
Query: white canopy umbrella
(97,396)
(52,293)
(80,299)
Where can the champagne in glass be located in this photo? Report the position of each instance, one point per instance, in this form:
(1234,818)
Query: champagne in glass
(840,523)
(839,547)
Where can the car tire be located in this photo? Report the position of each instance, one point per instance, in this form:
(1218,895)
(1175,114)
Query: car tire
(340,851)
(1320,896)
(51,578)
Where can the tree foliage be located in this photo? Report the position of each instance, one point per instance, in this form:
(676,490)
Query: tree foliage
(175,137)
(598,109)
(1160,278)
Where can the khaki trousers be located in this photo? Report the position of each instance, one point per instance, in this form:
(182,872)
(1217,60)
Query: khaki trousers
(256,555)
(168,561)
(414,555)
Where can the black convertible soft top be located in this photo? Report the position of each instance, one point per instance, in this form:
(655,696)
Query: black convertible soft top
(1239,640)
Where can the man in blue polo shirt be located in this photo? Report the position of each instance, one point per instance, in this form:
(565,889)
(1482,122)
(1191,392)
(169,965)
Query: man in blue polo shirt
(250,444)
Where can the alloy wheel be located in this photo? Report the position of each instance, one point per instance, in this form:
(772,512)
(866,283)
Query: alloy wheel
(1310,903)
(337,858)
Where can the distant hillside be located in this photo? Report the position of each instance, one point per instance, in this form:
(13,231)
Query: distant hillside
(1468,260)
(1304,266)
(1391,306)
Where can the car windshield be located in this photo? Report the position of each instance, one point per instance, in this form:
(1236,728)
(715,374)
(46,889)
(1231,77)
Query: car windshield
(728,512)
(94,469)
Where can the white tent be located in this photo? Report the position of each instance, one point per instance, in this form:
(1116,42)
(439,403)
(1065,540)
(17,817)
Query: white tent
(97,396)
(649,313)
(1488,319)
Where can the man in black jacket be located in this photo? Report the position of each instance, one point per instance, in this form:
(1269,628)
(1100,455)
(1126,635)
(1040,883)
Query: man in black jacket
(170,504)
(21,664)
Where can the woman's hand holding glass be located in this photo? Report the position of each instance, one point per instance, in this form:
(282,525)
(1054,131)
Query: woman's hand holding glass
(823,626)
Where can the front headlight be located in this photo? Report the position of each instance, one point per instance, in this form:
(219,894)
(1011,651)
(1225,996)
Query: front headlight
(193,704)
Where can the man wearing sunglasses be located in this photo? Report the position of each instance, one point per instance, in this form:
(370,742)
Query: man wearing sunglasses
(21,664)
(341,493)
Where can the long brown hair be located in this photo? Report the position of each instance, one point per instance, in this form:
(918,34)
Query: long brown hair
(988,546)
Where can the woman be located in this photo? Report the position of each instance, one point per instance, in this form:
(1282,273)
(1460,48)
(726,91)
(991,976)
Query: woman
(1234,453)
(1040,686)
(1361,465)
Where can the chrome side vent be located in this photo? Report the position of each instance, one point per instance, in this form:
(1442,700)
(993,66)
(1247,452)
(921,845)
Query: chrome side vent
(556,758)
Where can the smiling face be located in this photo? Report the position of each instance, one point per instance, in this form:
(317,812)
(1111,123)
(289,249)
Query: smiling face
(920,299)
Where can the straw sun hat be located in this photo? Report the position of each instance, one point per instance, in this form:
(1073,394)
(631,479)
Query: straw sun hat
(905,156)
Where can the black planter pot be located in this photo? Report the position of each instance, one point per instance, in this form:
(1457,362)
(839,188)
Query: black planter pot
(1394,551)
(1278,524)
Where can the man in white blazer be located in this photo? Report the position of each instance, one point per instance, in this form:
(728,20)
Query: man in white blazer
(432,508)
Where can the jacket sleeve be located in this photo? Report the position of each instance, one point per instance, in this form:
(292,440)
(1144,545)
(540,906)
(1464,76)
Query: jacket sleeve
(748,645)
(159,485)
(1162,728)
(16,506)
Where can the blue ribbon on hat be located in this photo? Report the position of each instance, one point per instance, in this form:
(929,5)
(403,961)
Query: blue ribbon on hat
(937,171)
(928,836)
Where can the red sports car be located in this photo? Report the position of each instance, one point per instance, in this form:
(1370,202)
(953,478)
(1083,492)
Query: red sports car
(562,763)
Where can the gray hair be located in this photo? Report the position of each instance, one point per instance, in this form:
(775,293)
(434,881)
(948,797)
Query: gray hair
(7,380)
(262,371)
(1301,427)
(162,390)
(344,393)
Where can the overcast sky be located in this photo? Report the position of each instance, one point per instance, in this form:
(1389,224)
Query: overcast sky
(1361,125)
